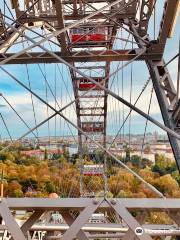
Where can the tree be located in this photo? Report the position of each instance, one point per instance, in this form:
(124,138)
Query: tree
(4,156)
(160,160)
(29,183)
(49,187)
(168,186)
(135,160)
(17,193)
(176,176)
(146,162)
(14,189)
(66,152)
(164,165)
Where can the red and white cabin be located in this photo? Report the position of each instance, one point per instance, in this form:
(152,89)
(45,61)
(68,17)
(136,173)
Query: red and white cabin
(93,170)
(85,85)
(92,126)
(88,34)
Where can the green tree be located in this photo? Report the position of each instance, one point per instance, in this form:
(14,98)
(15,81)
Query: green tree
(135,160)
(49,187)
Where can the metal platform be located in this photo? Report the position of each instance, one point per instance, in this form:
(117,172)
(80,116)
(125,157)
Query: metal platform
(133,226)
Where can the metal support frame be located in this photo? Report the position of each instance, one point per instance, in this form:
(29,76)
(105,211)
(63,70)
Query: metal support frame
(171,8)
(166,95)
(145,14)
(92,56)
(78,226)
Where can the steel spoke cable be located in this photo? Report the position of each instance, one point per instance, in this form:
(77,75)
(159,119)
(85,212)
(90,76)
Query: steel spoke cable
(8,132)
(47,111)
(172,59)
(60,74)
(25,41)
(154,21)
(10,105)
(113,111)
(146,124)
(47,86)
(119,103)
(55,104)
(43,122)
(46,82)
(130,100)
(118,65)
(117,68)
(68,125)
(32,101)
(6,6)
(46,93)
(122,92)
(117,73)
(87,136)
(47,108)
(143,89)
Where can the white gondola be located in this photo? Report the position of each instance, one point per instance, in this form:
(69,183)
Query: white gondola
(93,170)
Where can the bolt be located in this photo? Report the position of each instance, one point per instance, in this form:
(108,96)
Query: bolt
(113,201)
(95,201)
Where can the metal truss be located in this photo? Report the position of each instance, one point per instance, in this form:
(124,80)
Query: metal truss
(167,98)
(145,14)
(79,227)
(91,56)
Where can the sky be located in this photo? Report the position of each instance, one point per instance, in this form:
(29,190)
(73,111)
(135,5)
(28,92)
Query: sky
(60,82)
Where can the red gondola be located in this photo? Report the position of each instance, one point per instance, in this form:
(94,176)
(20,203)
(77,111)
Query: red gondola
(88,34)
(92,126)
(85,85)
